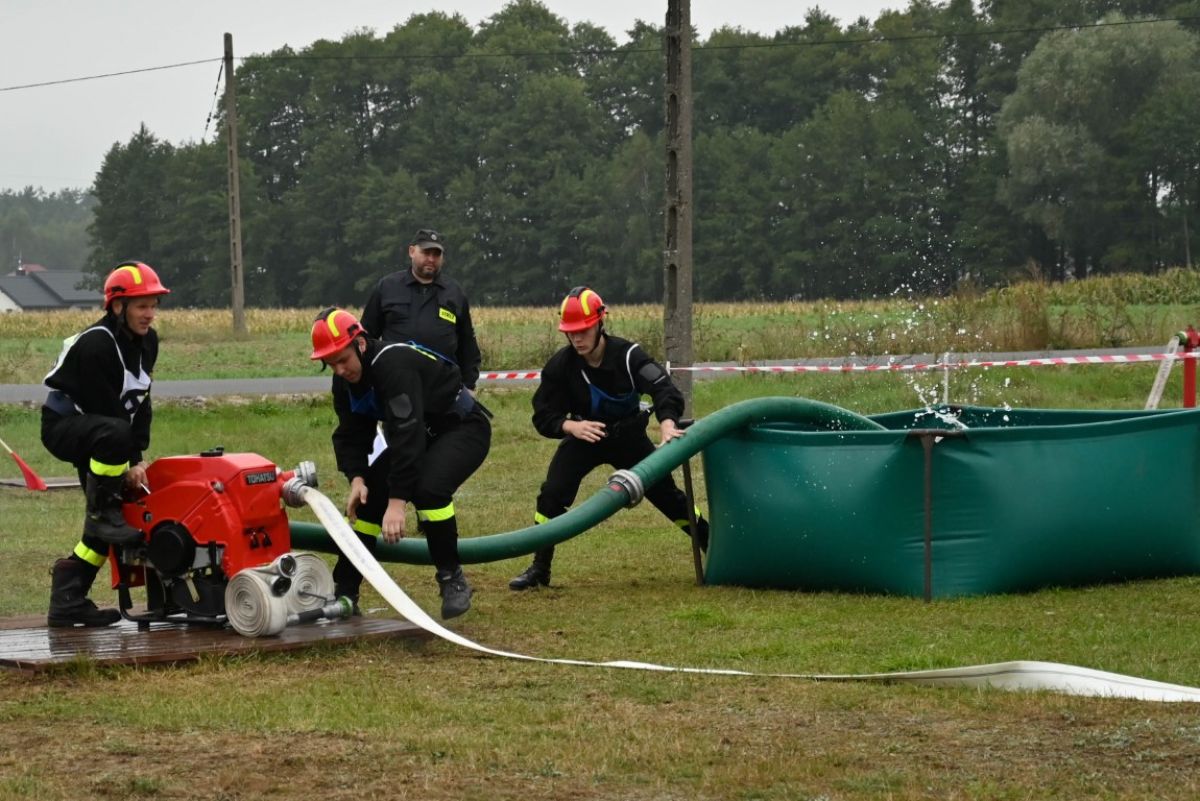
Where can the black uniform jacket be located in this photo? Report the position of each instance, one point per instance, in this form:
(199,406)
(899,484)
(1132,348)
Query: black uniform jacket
(90,372)
(407,391)
(436,315)
(563,394)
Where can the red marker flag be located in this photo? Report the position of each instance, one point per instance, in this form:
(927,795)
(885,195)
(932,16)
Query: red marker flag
(32,480)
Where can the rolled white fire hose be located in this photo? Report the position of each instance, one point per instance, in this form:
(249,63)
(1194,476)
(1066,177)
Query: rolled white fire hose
(295,588)
(252,607)
(312,584)
(1016,675)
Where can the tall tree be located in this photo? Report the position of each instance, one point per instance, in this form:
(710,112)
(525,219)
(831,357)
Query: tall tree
(1078,168)
(835,161)
(130,203)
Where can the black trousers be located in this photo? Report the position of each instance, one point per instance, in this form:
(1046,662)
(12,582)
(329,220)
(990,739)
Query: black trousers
(80,438)
(575,458)
(454,449)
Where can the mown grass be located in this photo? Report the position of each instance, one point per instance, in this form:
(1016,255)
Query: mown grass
(434,721)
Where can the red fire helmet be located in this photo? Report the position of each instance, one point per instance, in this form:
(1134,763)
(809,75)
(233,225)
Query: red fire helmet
(333,330)
(581,309)
(133,279)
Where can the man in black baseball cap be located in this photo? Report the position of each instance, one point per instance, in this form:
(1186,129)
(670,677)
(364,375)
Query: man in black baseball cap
(427,238)
(425,306)
(426,251)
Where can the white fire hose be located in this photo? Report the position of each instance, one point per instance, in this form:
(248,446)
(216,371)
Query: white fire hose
(295,588)
(1016,675)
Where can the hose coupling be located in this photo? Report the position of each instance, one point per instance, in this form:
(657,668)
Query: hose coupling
(630,483)
(306,471)
(293,491)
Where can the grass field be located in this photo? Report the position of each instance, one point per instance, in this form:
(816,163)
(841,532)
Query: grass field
(433,721)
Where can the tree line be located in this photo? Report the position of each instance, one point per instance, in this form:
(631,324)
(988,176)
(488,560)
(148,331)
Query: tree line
(945,143)
(47,228)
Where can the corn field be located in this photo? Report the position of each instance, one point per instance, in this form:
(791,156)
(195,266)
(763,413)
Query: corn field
(1109,311)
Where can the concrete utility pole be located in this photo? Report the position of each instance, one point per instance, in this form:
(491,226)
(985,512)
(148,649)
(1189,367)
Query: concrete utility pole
(677,257)
(235,194)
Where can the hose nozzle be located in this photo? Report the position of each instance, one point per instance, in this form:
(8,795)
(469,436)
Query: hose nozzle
(340,608)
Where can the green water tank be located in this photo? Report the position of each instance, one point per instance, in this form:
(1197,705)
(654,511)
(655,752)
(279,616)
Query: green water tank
(999,501)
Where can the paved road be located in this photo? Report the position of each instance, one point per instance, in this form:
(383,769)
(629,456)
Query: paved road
(316,384)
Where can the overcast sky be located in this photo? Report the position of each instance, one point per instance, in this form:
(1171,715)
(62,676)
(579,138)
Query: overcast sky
(55,137)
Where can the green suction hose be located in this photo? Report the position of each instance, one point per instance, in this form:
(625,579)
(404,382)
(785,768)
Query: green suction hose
(624,489)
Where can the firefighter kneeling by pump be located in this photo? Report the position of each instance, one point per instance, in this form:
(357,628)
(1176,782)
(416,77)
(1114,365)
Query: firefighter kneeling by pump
(436,436)
(97,417)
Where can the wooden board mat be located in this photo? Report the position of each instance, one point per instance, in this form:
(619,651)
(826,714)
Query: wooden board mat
(27,644)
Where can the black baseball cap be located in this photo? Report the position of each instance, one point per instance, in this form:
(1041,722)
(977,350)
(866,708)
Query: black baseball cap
(428,238)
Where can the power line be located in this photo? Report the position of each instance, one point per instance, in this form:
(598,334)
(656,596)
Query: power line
(107,75)
(846,42)
(216,93)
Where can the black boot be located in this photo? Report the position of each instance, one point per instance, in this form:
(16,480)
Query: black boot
(345,589)
(70,582)
(346,579)
(537,573)
(104,519)
(455,591)
(346,585)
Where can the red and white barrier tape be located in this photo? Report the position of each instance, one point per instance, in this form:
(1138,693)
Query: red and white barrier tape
(942,365)
(852,367)
(512,375)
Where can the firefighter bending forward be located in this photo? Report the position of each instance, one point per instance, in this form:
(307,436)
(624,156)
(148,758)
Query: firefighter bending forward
(436,436)
(590,398)
(97,417)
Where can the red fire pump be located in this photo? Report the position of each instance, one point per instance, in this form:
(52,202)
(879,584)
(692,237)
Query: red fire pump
(217,548)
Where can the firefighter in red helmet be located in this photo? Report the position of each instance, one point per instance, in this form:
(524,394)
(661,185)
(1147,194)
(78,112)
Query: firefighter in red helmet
(436,435)
(590,398)
(97,417)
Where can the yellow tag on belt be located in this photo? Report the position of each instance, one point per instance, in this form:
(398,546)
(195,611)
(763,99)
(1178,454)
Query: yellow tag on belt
(447,315)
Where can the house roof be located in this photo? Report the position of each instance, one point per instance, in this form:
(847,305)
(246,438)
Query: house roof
(50,289)
(28,293)
(65,284)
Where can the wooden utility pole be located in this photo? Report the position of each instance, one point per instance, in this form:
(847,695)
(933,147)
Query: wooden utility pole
(1187,240)
(677,256)
(235,195)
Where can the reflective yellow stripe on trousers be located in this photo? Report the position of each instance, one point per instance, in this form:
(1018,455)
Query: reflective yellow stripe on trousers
(434,515)
(102,469)
(93,558)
